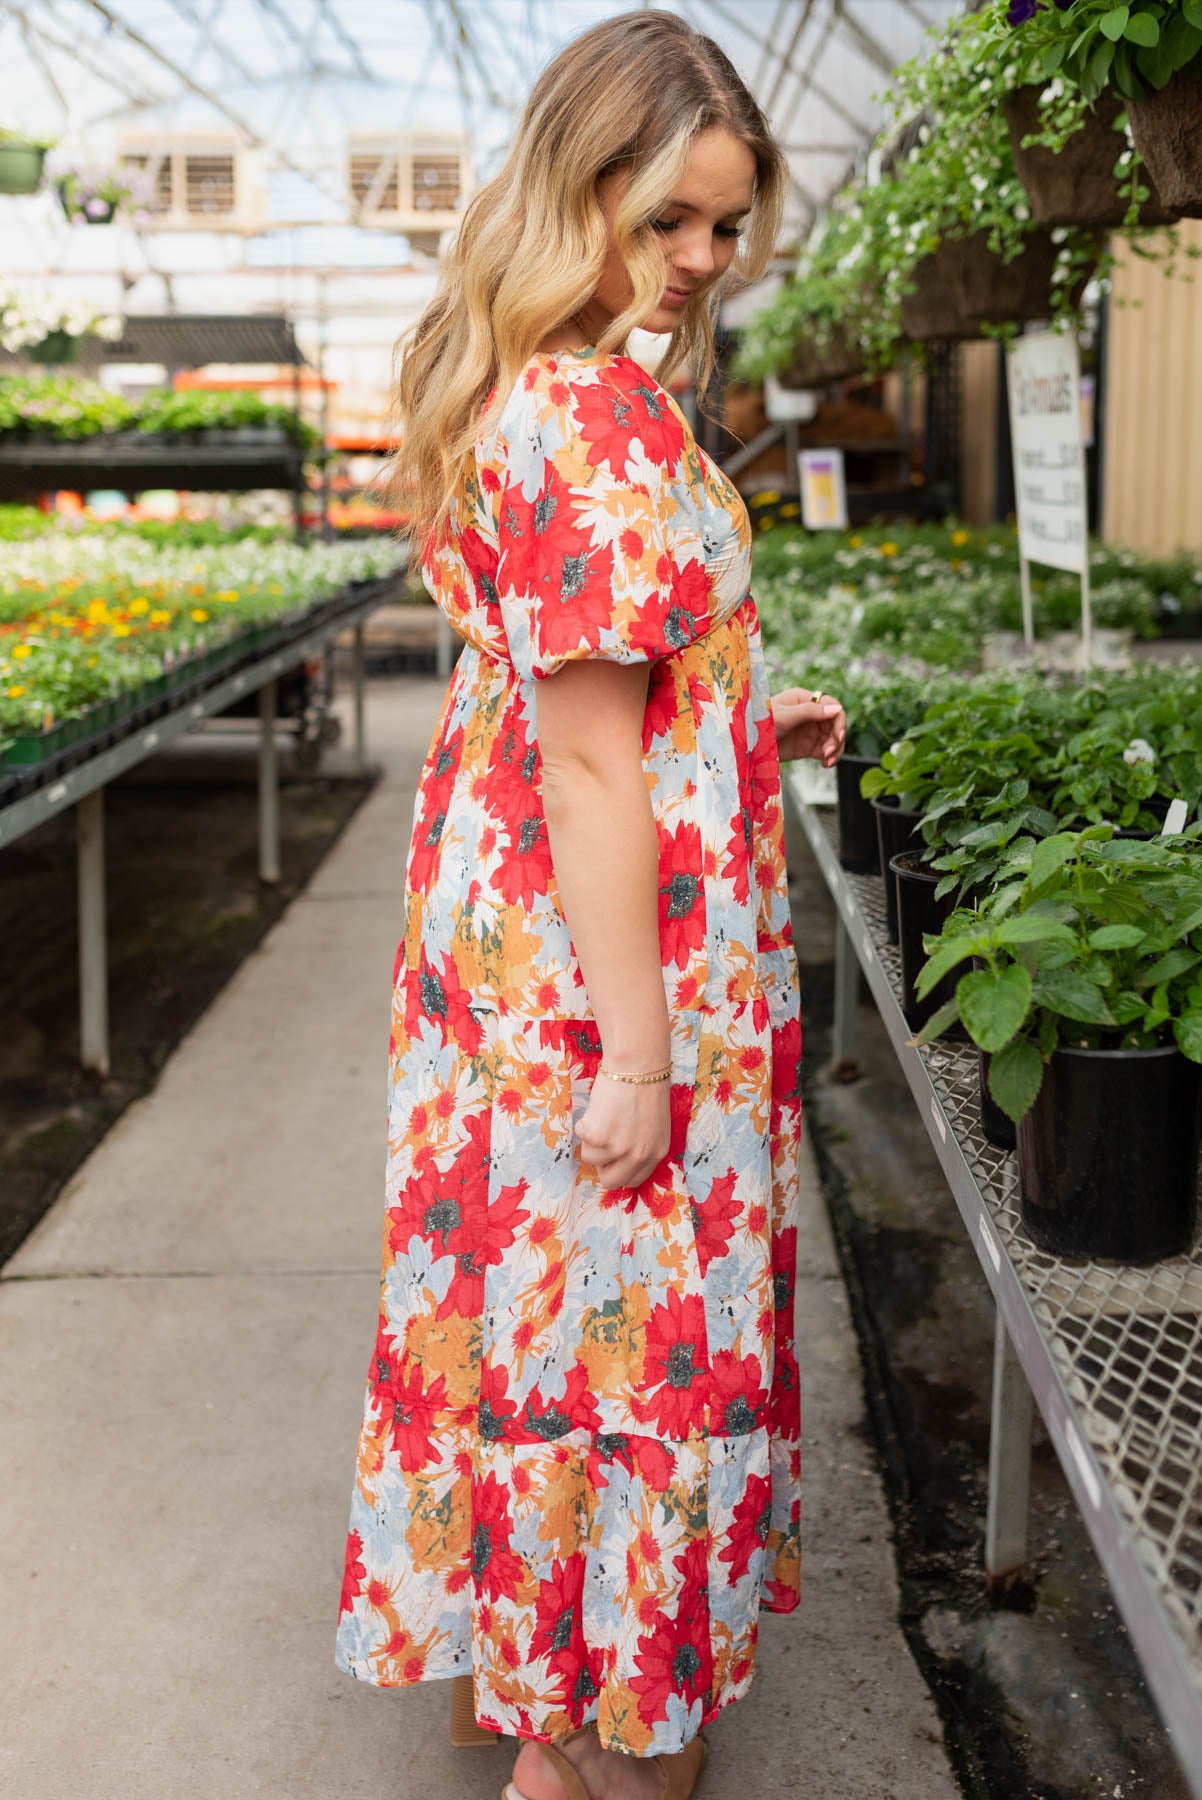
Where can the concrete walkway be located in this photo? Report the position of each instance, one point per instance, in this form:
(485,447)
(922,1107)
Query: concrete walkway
(183,1344)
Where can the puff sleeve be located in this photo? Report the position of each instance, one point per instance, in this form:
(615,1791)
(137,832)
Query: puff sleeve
(598,552)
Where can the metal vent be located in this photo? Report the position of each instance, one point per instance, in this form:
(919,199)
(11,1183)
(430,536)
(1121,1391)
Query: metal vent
(436,183)
(209,184)
(374,181)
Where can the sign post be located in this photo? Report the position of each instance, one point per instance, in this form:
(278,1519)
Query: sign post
(1044,377)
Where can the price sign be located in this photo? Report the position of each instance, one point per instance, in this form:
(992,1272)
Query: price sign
(1044,377)
(823,492)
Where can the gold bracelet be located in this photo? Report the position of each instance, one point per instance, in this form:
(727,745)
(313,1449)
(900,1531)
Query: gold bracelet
(638,1080)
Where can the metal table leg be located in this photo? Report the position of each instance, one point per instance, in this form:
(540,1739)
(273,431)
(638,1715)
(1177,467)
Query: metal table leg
(269,787)
(1009,1465)
(358,669)
(847,998)
(93,945)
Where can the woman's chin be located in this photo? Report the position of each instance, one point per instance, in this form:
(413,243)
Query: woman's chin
(663,320)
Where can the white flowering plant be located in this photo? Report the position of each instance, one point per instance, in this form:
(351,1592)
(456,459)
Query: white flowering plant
(96,194)
(29,316)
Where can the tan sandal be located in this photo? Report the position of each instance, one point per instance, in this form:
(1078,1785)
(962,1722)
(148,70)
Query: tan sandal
(682,1771)
(465,1732)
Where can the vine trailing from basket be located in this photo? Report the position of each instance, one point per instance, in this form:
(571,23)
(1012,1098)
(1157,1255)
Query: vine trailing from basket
(1088,942)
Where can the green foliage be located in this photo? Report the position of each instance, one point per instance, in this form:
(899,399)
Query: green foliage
(1087,941)
(1134,48)
(68,409)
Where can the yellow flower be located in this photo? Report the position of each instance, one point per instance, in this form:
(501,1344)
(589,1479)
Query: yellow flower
(139,606)
(160,616)
(960,537)
(766,497)
(888,549)
(14,693)
(229,595)
(275,588)
(120,630)
(197,589)
(790,510)
(92,661)
(199,614)
(98,612)
(856,543)
(957,563)
(22,650)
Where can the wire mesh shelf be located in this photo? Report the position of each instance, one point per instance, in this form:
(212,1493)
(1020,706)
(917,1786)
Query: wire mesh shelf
(1113,1353)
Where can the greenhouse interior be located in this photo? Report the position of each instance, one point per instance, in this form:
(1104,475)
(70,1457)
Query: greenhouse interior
(814,387)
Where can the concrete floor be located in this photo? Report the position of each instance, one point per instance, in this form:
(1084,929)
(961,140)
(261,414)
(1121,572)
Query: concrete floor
(184,1341)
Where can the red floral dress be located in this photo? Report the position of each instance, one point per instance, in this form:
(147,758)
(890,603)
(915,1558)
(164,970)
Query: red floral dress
(578,1473)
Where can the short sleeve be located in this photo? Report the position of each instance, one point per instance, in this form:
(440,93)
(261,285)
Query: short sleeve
(599,551)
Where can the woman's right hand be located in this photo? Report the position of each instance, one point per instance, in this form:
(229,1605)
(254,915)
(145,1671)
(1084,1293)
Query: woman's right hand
(625,1130)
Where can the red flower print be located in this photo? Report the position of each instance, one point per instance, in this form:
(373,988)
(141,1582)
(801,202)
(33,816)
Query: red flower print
(576,1408)
(681,895)
(497,1418)
(558,1624)
(678,614)
(513,787)
(662,706)
(786,1063)
(784,1265)
(525,866)
(611,413)
(439,995)
(496,1569)
(675,1658)
(763,776)
(414,1414)
(713,1219)
(675,1367)
(354,1573)
(654,1461)
(784,1413)
(749,1532)
(737,1394)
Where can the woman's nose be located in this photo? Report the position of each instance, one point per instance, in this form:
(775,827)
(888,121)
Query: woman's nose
(694,252)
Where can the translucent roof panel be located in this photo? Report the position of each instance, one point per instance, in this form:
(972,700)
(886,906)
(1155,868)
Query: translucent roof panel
(295,76)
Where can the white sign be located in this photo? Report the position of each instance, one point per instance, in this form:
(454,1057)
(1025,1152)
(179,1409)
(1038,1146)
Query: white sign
(823,492)
(1044,377)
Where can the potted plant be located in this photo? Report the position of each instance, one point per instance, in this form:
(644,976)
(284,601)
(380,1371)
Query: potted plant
(877,713)
(1086,992)
(46,328)
(91,194)
(1076,161)
(1150,56)
(21,162)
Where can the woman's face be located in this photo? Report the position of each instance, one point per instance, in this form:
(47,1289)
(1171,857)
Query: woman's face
(697,231)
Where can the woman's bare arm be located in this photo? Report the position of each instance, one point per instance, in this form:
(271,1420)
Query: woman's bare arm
(589,720)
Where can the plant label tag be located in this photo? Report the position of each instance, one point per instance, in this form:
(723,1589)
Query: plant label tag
(1174,818)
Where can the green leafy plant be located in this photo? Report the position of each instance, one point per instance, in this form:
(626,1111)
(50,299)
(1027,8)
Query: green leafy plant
(1088,942)
(1134,48)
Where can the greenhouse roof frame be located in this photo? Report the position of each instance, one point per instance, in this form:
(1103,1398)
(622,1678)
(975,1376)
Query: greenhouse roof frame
(285,77)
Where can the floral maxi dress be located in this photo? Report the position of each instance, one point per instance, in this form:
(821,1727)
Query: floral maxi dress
(578,1472)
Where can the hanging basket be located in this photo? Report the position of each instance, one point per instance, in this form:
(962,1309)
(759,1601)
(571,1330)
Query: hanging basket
(75,213)
(964,285)
(1168,135)
(1076,185)
(21,168)
(815,364)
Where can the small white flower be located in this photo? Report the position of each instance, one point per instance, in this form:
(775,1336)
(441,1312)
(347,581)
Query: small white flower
(1137,751)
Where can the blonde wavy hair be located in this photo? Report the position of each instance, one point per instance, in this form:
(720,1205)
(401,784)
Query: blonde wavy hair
(627,96)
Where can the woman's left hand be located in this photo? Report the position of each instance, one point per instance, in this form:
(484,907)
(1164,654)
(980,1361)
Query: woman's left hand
(808,725)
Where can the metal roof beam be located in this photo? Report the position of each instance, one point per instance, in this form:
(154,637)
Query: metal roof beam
(824,94)
(864,41)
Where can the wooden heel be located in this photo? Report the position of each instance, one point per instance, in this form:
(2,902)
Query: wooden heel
(465,1732)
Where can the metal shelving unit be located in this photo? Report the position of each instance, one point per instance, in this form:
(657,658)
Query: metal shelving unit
(1112,1355)
(45,792)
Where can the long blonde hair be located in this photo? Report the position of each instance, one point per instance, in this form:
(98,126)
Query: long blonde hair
(628,95)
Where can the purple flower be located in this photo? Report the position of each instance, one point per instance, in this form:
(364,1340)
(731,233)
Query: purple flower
(1022,10)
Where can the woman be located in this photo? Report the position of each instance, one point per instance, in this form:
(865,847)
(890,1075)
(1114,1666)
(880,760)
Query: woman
(578,1470)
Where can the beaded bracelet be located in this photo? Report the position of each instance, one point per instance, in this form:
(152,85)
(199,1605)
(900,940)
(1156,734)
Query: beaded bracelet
(638,1080)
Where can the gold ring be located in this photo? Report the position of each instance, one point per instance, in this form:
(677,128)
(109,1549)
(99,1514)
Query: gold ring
(814,698)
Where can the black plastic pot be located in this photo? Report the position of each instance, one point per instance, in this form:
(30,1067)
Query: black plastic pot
(896,831)
(999,1129)
(918,911)
(859,852)
(1108,1155)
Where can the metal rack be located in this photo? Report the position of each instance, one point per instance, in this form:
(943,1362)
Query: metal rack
(1111,1354)
(83,784)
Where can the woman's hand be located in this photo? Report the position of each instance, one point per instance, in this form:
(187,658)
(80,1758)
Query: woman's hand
(625,1130)
(808,725)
